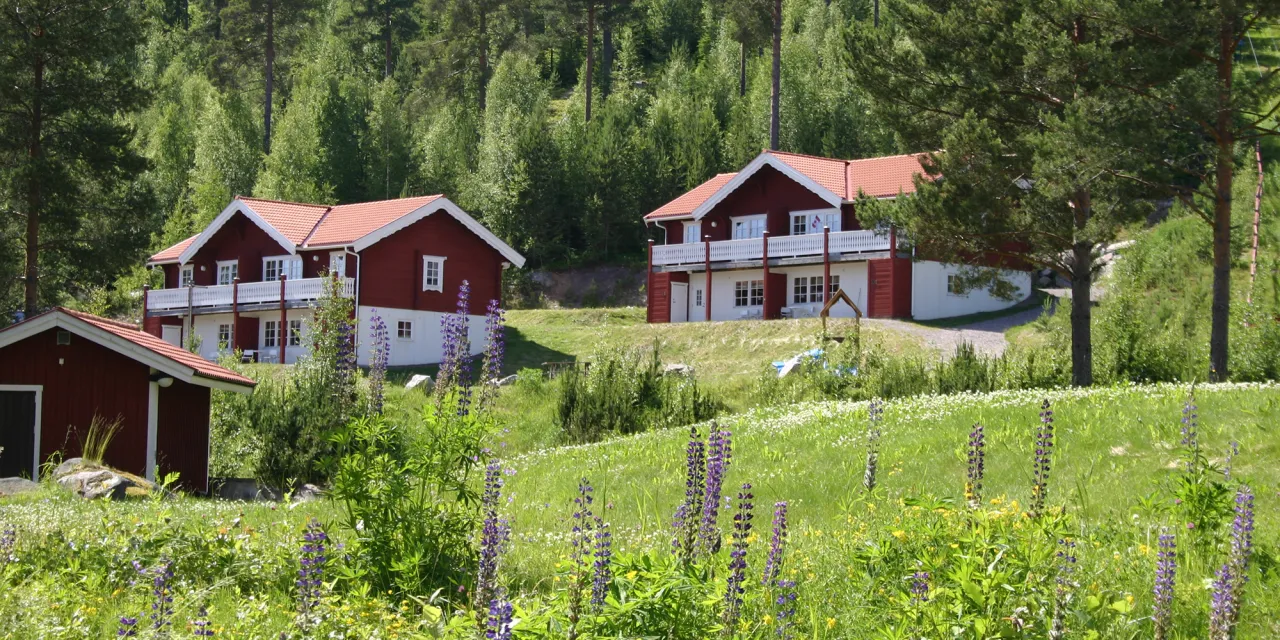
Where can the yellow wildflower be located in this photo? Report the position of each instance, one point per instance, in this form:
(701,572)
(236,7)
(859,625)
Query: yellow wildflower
(900,534)
(831,623)
(631,575)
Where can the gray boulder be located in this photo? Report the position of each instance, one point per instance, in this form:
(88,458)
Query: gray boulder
(70,465)
(503,382)
(91,484)
(678,369)
(418,380)
(307,493)
(14,486)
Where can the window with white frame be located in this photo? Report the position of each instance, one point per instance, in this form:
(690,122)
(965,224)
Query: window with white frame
(404,330)
(338,263)
(807,290)
(835,285)
(954,286)
(271,333)
(812,221)
(228,271)
(748,293)
(697,297)
(800,290)
(288,266)
(432,273)
(187,275)
(224,337)
(295,333)
(748,227)
(692,232)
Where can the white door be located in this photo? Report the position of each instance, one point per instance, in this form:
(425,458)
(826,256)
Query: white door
(679,302)
(172,334)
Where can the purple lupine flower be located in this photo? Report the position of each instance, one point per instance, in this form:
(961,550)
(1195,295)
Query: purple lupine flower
(1190,431)
(580,541)
(738,561)
(1222,606)
(455,367)
(603,572)
(494,350)
(785,607)
(686,518)
(312,560)
(498,625)
(161,595)
(977,465)
(875,411)
(8,538)
(1228,590)
(777,544)
(1066,586)
(381,342)
(128,627)
(493,536)
(200,626)
(1043,460)
(1166,578)
(1233,450)
(719,454)
(920,587)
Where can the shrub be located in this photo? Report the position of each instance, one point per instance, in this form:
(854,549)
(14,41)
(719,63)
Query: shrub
(626,391)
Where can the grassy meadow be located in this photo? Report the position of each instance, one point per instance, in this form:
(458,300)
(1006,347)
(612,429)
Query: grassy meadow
(852,554)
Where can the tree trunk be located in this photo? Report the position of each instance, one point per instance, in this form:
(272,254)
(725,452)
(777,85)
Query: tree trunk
(606,49)
(1225,178)
(591,60)
(875,13)
(742,69)
(777,74)
(386,40)
(1081,305)
(269,74)
(35,153)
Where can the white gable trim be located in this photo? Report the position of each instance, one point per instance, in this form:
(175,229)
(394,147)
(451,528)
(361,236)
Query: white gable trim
(454,210)
(222,219)
(765,158)
(102,337)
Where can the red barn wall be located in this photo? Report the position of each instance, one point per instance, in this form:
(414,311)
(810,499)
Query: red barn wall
(239,239)
(658,294)
(889,287)
(182,434)
(777,298)
(768,191)
(391,269)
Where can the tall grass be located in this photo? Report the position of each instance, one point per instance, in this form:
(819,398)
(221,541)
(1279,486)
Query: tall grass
(98,438)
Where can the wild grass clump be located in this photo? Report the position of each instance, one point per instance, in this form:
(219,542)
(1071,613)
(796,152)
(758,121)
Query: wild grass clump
(626,391)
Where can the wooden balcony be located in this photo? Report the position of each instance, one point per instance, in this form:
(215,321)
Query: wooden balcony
(843,245)
(247,296)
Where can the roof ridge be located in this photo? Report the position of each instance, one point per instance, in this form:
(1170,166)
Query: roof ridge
(97,318)
(353,204)
(804,155)
(896,155)
(296,204)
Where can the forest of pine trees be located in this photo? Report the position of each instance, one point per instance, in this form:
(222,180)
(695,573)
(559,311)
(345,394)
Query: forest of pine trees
(557,123)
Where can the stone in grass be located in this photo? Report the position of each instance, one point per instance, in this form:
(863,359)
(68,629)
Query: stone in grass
(502,382)
(678,369)
(91,484)
(14,486)
(69,466)
(418,380)
(307,493)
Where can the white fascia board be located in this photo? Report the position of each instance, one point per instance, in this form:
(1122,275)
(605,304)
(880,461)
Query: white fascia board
(221,385)
(222,219)
(57,319)
(765,158)
(454,210)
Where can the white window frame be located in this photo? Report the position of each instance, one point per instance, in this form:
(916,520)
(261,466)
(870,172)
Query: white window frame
(798,296)
(404,330)
(186,275)
(835,284)
(692,232)
(337,258)
(749,288)
(233,270)
(697,297)
(951,287)
(748,223)
(289,265)
(829,217)
(224,344)
(426,282)
(295,333)
(271,334)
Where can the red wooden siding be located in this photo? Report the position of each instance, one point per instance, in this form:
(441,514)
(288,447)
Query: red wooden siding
(247,333)
(81,380)
(315,263)
(769,191)
(659,295)
(240,239)
(777,295)
(152,325)
(182,434)
(889,287)
(391,269)
(848,218)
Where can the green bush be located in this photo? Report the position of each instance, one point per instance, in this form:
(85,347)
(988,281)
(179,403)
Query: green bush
(626,391)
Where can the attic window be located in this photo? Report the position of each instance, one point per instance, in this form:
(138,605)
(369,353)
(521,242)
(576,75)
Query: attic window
(64,338)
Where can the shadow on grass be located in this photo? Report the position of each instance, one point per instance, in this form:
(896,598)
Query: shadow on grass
(521,353)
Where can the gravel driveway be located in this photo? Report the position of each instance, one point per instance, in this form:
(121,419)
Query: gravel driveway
(987,336)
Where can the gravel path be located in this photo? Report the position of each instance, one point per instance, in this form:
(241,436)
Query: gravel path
(986,336)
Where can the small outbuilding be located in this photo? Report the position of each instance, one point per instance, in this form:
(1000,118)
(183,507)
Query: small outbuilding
(61,369)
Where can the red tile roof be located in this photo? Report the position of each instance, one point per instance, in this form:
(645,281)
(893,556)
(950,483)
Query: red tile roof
(202,367)
(294,220)
(876,177)
(350,222)
(685,204)
(171,254)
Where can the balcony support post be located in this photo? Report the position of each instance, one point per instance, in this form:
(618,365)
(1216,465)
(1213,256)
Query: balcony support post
(826,263)
(706,295)
(146,293)
(190,320)
(235,314)
(648,284)
(282,334)
(764,243)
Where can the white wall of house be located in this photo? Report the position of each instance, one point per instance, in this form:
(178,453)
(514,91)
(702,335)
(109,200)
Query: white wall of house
(206,326)
(930,298)
(425,346)
(853,279)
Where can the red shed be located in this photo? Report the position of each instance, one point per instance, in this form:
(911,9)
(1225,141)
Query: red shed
(60,369)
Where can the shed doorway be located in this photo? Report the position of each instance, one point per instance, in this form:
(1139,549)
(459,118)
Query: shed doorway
(19,417)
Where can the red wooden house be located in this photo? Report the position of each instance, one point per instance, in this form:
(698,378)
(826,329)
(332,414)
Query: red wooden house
(248,279)
(776,238)
(61,369)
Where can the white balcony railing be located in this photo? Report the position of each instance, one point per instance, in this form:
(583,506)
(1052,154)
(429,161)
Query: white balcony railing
(249,293)
(779,247)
